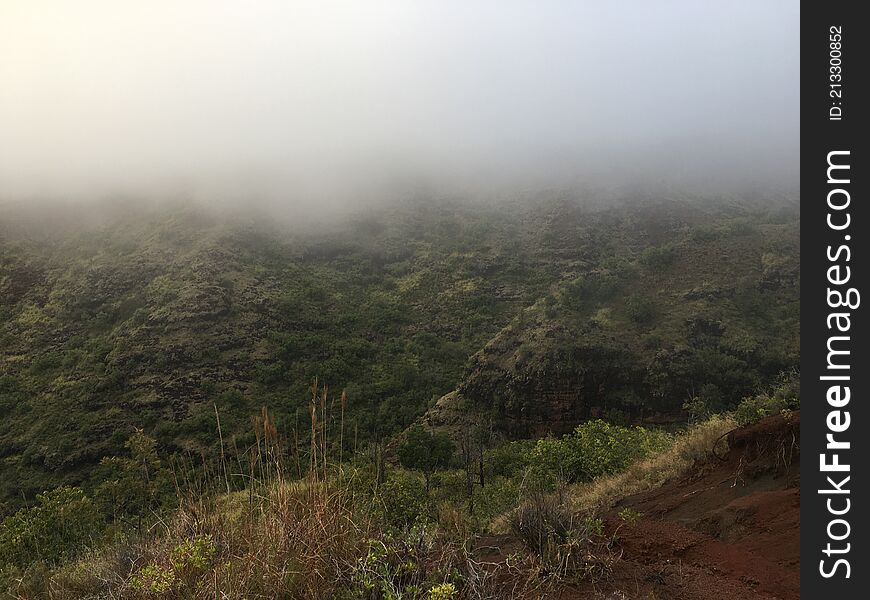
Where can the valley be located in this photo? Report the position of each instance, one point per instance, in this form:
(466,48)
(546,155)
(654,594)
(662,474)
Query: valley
(211,347)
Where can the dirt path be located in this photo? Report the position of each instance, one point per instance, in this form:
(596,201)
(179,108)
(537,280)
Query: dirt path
(729,529)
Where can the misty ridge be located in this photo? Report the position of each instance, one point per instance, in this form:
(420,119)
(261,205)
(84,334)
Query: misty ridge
(310,108)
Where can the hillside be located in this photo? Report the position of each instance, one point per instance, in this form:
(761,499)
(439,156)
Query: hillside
(155,319)
(708,313)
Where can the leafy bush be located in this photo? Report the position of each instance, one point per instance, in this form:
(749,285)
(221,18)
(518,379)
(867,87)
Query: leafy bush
(640,309)
(659,257)
(784,397)
(629,515)
(697,408)
(425,451)
(442,591)
(404,500)
(509,459)
(594,448)
(130,486)
(153,580)
(191,557)
(61,523)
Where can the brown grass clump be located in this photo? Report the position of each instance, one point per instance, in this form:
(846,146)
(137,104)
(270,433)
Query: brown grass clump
(297,540)
(540,521)
(569,546)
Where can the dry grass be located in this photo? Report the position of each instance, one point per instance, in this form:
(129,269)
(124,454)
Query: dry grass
(312,538)
(596,497)
(298,540)
(651,472)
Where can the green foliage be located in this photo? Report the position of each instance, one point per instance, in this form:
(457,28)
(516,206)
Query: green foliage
(704,233)
(61,524)
(442,591)
(152,324)
(782,399)
(629,515)
(153,580)
(404,500)
(394,569)
(193,554)
(595,448)
(585,292)
(510,459)
(425,451)
(151,321)
(125,487)
(659,257)
(697,408)
(188,561)
(640,309)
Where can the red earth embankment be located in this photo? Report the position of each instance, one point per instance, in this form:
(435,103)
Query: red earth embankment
(727,529)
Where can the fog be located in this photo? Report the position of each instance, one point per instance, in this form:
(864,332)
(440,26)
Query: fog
(323,103)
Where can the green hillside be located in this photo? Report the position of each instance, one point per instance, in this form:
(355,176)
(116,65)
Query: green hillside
(709,314)
(156,318)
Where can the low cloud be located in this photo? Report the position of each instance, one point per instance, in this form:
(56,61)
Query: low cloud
(330,103)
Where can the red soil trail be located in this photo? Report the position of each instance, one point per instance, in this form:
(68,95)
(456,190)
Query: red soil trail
(729,529)
(726,530)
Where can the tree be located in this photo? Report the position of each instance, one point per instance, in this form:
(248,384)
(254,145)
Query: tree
(425,451)
(130,487)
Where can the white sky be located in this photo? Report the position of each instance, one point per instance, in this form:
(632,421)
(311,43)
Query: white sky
(276,97)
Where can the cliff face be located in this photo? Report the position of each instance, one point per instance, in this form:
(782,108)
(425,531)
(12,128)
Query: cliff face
(526,396)
(538,382)
(711,315)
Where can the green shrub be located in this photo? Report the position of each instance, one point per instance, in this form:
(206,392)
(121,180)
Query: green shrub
(153,580)
(697,408)
(659,257)
(190,560)
(61,523)
(593,449)
(425,451)
(783,399)
(442,591)
(629,515)
(193,554)
(404,500)
(640,309)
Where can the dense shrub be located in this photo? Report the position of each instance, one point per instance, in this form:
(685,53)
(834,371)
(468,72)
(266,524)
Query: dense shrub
(640,309)
(425,451)
(784,397)
(658,257)
(62,523)
(404,500)
(595,448)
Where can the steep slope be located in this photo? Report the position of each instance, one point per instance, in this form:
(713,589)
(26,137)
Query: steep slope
(150,319)
(729,528)
(712,313)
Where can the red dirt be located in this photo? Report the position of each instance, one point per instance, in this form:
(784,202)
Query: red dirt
(728,529)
